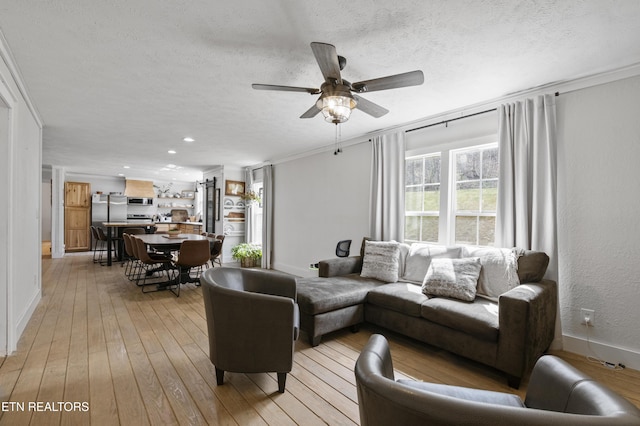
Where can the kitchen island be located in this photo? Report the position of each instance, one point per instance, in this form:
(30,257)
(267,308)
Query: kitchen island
(183,227)
(114,231)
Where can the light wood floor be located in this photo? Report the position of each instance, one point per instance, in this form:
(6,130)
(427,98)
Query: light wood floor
(143,359)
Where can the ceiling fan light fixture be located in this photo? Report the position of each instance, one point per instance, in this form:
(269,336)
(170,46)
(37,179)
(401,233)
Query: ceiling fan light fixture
(336,108)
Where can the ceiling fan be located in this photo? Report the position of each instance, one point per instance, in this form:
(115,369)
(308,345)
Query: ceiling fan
(338,96)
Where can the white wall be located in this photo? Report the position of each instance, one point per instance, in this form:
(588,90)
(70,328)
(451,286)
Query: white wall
(20,245)
(319,200)
(599,218)
(323,198)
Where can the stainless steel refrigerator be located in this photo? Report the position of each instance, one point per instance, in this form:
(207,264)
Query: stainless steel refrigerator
(108,208)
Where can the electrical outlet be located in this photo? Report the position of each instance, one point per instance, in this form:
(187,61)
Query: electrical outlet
(587,317)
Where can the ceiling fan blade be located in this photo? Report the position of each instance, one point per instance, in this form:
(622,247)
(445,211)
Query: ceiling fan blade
(285,88)
(369,107)
(327,60)
(311,112)
(411,78)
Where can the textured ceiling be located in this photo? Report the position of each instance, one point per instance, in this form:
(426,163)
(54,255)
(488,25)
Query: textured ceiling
(120,82)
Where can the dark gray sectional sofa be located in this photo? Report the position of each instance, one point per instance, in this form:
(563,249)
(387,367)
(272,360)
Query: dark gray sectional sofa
(509,334)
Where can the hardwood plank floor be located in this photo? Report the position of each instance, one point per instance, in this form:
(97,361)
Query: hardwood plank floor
(134,358)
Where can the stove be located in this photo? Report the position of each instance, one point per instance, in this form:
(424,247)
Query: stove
(139,218)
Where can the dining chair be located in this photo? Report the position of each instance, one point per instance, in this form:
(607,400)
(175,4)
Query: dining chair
(103,241)
(133,231)
(216,252)
(194,254)
(130,260)
(150,263)
(95,239)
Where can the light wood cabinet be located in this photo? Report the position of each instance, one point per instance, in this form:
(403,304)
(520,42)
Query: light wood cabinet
(184,228)
(77,216)
(190,229)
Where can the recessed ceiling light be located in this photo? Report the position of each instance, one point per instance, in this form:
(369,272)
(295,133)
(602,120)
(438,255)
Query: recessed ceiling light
(126,167)
(120,174)
(171,166)
(188,139)
(171,151)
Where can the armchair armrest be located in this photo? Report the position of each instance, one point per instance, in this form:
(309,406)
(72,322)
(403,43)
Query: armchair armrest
(340,266)
(555,385)
(527,316)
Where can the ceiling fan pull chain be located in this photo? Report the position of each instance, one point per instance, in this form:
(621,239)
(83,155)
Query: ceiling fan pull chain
(337,146)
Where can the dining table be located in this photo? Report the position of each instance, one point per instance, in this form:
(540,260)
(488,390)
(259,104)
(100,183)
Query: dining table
(167,243)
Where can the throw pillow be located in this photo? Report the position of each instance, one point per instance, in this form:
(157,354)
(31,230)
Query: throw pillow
(381,260)
(455,278)
(403,252)
(420,256)
(499,272)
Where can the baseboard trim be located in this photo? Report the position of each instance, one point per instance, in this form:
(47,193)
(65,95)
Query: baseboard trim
(24,320)
(612,354)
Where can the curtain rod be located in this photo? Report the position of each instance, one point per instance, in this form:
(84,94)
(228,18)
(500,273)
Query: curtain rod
(452,119)
(458,118)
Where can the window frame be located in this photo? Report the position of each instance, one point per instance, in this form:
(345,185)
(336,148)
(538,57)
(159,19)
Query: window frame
(446,228)
(425,213)
(453,193)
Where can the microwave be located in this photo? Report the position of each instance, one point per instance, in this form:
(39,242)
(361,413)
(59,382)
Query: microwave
(140,201)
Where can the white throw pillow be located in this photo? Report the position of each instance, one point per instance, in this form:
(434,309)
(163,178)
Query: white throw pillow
(381,260)
(455,278)
(420,256)
(499,272)
(403,252)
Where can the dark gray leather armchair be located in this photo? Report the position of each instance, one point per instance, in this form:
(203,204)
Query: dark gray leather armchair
(252,320)
(557,394)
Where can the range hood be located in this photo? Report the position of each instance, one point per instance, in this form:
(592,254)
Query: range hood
(139,188)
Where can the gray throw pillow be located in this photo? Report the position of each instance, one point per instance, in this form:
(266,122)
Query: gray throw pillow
(381,260)
(455,278)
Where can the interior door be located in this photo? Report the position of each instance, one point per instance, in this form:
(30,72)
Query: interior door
(210,206)
(77,216)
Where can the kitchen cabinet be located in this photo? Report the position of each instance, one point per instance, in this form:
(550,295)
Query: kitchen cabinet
(183,227)
(189,228)
(77,216)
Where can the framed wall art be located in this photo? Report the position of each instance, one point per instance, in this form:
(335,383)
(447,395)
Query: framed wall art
(233,187)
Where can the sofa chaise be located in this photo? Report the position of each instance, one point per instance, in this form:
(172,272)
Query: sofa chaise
(507,327)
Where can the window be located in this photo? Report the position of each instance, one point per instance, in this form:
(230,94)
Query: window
(476,189)
(450,196)
(422,198)
(256,215)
